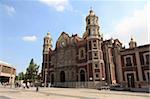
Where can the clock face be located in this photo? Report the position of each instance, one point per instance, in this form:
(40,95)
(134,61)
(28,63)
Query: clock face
(62,44)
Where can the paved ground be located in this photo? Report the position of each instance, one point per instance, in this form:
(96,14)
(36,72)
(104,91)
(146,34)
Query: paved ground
(67,93)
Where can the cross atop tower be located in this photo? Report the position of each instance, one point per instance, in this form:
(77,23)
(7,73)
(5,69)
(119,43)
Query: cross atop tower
(90,7)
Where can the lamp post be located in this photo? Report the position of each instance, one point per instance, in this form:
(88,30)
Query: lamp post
(91,78)
(45,77)
(103,79)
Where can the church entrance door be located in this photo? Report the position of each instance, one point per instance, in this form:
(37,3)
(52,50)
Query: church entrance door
(82,76)
(52,79)
(62,76)
(130,78)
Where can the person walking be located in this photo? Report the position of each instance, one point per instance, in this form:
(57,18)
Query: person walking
(37,88)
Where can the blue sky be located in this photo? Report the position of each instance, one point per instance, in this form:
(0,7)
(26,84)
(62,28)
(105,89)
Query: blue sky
(23,24)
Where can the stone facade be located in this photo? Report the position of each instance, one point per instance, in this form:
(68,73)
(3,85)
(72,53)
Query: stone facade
(87,61)
(110,51)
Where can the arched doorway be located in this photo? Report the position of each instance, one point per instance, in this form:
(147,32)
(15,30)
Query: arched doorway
(82,76)
(130,79)
(62,76)
(52,79)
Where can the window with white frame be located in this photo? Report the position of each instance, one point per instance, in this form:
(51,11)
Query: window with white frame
(148,76)
(128,60)
(90,45)
(94,44)
(81,53)
(96,65)
(95,55)
(147,58)
(96,76)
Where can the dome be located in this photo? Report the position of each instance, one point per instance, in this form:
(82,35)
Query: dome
(92,12)
(48,35)
(131,39)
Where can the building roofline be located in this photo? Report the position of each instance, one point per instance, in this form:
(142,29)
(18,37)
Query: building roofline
(141,46)
(6,64)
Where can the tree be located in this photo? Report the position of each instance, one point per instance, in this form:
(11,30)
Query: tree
(21,76)
(31,71)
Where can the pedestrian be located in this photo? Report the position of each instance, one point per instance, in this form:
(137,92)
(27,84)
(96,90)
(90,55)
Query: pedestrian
(37,88)
(24,85)
(28,85)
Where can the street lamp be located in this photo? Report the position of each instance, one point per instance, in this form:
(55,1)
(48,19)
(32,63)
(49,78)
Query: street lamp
(91,78)
(45,77)
(103,79)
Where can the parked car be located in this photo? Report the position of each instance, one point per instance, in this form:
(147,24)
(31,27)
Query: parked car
(105,87)
(115,86)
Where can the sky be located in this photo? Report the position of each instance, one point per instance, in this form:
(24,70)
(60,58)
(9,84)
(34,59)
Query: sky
(24,23)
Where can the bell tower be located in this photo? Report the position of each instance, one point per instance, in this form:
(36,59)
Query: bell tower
(47,43)
(47,48)
(94,52)
(92,26)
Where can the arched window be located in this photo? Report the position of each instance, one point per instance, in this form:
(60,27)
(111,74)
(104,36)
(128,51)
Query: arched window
(62,76)
(81,54)
(52,79)
(82,75)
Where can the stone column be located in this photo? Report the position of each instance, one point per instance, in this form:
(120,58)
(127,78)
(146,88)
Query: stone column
(119,69)
(139,66)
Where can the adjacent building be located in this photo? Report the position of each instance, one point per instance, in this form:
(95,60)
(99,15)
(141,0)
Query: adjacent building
(89,61)
(7,73)
(134,65)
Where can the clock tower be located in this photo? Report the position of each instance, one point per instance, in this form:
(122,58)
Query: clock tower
(94,52)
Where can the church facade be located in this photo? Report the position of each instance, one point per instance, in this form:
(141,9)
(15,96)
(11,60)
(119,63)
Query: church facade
(87,61)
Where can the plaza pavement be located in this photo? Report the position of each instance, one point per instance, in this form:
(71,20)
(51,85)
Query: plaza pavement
(67,93)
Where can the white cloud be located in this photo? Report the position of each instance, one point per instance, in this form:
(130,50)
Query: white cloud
(59,5)
(135,25)
(29,38)
(10,10)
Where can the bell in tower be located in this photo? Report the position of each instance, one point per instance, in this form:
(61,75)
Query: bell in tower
(94,51)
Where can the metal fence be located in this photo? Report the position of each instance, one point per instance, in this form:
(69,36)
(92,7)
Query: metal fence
(79,84)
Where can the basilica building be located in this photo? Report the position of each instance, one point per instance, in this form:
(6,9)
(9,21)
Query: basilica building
(91,62)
